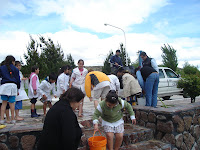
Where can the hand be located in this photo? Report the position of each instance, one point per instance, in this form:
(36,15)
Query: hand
(44,97)
(116,64)
(90,99)
(34,92)
(134,121)
(96,128)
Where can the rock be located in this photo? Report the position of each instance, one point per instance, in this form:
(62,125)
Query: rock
(169,138)
(183,146)
(192,129)
(133,138)
(141,123)
(126,140)
(195,120)
(151,126)
(144,116)
(187,113)
(198,112)
(188,139)
(179,140)
(3,146)
(3,138)
(179,121)
(28,142)
(188,121)
(161,117)
(196,133)
(159,136)
(14,141)
(137,115)
(195,147)
(198,142)
(152,117)
(167,127)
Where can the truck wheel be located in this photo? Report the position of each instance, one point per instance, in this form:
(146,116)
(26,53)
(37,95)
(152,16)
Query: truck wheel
(166,97)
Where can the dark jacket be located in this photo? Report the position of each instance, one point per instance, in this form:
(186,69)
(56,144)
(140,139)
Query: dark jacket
(146,71)
(61,130)
(147,62)
(116,59)
(6,77)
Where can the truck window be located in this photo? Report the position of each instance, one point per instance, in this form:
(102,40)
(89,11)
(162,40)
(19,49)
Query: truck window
(170,74)
(161,74)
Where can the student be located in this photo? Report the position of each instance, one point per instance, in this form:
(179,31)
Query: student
(33,90)
(131,86)
(63,80)
(22,93)
(111,113)
(100,83)
(78,81)
(46,87)
(9,85)
(114,85)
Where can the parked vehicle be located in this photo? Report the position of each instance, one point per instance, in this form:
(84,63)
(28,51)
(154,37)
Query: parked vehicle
(168,83)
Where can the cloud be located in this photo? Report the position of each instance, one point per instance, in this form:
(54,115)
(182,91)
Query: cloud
(94,50)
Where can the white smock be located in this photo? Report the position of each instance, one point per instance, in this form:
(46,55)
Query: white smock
(46,88)
(22,93)
(79,78)
(114,82)
(30,89)
(62,83)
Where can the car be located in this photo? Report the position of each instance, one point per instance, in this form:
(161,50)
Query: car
(168,80)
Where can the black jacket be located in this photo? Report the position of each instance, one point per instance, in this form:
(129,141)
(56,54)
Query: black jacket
(61,130)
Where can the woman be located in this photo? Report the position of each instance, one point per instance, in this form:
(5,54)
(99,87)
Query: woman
(61,129)
(78,81)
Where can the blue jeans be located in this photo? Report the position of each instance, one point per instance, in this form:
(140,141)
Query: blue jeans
(151,89)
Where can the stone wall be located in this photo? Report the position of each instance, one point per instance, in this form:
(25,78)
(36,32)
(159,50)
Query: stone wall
(179,126)
(95,68)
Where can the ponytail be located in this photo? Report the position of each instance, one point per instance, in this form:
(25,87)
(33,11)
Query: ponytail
(8,61)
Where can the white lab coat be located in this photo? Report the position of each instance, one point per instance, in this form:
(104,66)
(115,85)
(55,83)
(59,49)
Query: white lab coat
(46,88)
(30,88)
(79,78)
(22,93)
(114,85)
(62,83)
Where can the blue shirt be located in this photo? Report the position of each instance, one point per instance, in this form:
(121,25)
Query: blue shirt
(6,77)
(116,59)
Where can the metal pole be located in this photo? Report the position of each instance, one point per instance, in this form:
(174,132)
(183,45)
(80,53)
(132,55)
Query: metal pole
(124,40)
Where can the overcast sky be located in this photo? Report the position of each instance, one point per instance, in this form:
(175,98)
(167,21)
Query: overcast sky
(78,25)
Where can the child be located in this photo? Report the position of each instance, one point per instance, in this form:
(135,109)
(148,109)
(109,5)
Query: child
(46,87)
(100,83)
(9,85)
(78,81)
(111,113)
(114,85)
(63,80)
(22,93)
(33,90)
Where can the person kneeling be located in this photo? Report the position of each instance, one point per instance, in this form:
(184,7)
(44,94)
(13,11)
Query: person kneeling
(111,113)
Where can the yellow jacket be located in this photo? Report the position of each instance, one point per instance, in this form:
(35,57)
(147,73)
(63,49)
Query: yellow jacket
(92,79)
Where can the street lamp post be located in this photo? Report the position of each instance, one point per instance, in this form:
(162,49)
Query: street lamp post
(124,40)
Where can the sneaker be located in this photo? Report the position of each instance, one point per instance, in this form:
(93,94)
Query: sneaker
(2,122)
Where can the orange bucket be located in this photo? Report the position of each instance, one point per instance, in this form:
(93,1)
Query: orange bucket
(97,142)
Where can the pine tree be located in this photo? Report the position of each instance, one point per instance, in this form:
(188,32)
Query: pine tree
(124,55)
(70,61)
(106,66)
(169,57)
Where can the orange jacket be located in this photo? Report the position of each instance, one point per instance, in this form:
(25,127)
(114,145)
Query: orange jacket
(92,79)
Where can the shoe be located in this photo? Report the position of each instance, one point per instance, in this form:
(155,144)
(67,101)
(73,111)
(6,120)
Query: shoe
(2,122)
(13,122)
(36,113)
(33,114)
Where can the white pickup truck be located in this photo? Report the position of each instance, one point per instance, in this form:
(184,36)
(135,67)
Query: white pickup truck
(168,83)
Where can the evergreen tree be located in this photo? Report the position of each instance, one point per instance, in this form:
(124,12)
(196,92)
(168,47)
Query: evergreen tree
(124,55)
(70,61)
(106,66)
(169,57)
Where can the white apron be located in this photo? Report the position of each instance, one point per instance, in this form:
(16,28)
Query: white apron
(62,83)
(30,89)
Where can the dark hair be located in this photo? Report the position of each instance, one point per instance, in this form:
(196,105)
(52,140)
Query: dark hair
(3,62)
(121,69)
(81,60)
(63,68)
(118,51)
(72,95)
(112,97)
(8,61)
(17,63)
(34,68)
(52,76)
(143,54)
